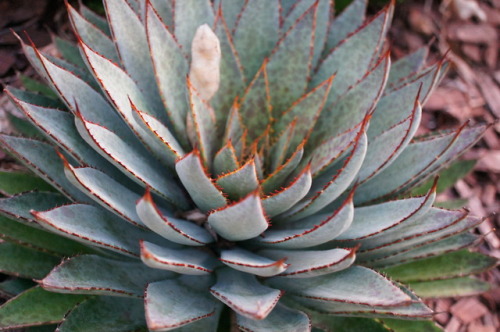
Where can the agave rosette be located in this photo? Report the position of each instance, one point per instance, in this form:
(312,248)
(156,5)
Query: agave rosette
(265,183)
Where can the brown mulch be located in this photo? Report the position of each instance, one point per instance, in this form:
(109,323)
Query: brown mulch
(470,91)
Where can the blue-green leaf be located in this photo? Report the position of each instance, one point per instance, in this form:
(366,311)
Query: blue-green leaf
(110,314)
(171,305)
(184,261)
(173,229)
(244,294)
(242,220)
(280,319)
(311,231)
(256,33)
(36,307)
(248,262)
(198,183)
(89,274)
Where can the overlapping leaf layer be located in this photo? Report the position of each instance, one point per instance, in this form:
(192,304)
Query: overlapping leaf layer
(236,157)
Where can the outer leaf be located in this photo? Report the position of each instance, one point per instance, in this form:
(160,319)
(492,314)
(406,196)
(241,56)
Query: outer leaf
(12,183)
(450,287)
(92,35)
(434,248)
(59,127)
(13,287)
(42,159)
(82,98)
(34,98)
(345,324)
(280,319)
(170,305)
(105,313)
(25,262)
(408,65)
(36,307)
(344,24)
(89,274)
(375,219)
(311,231)
(417,162)
(357,285)
(24,127)
(244,294)
(126,96)
(185,261)
(398,325)
(258,18)
(384,149)
(18,207)
(414,310)
(33,85)
(130,39)
(242,220)
(448,177)
(107,192)
(33,238)
(394,106)
(94,226)
(246,261)
(439,224)
(456,264)
(96,19)
(135,163)
(170,69)
(307,264)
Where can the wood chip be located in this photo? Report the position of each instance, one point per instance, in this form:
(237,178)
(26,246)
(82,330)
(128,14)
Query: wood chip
(496,75)
(472,33)
(491,55)
(478,327)
(490,91)
(453,325)
(468,310)
(490,162)
(421,22)
(473,52)
(7,60)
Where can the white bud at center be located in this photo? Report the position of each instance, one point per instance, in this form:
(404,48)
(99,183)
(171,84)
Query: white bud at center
(204,73)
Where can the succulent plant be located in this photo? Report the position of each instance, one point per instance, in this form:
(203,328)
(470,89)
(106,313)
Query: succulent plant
(235,163)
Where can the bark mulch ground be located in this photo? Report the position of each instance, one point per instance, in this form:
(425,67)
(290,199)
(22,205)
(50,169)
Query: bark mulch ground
(467,31)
